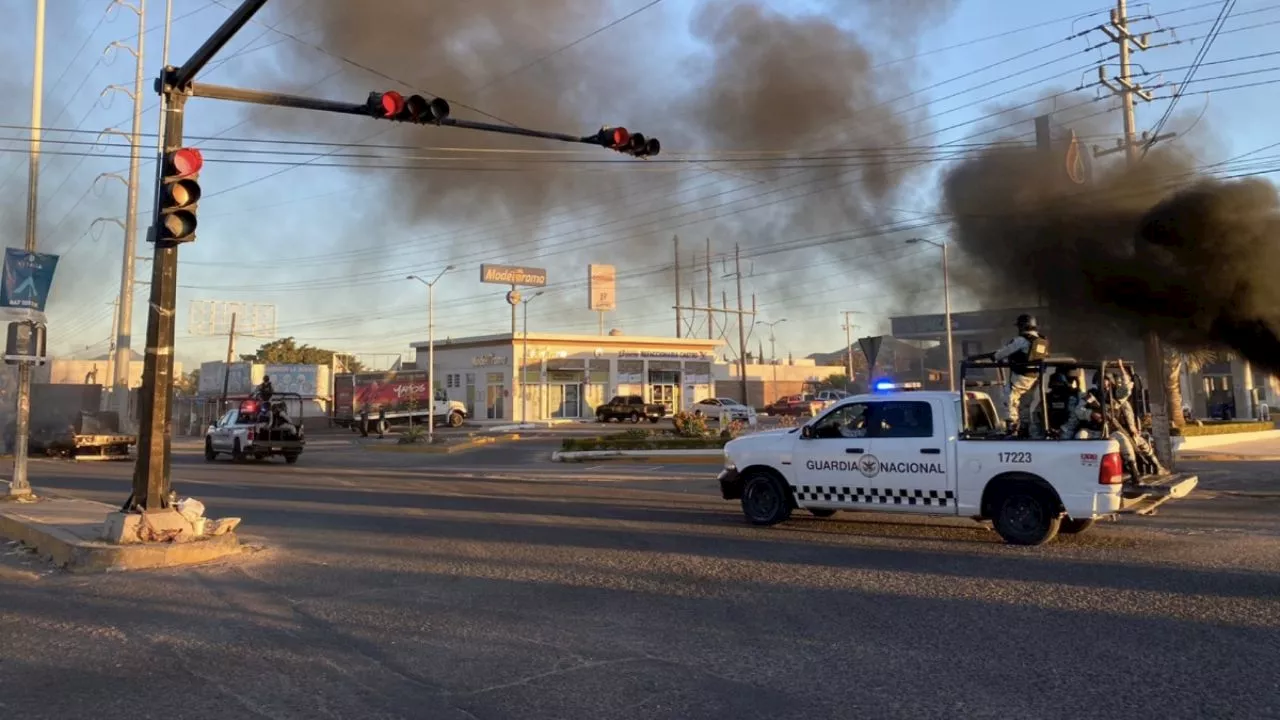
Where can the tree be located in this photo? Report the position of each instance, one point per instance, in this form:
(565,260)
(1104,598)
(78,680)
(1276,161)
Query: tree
(1174,362)
(287,351)
(189,383)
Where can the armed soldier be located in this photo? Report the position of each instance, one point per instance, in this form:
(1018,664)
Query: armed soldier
(1023,353)
(1107,406)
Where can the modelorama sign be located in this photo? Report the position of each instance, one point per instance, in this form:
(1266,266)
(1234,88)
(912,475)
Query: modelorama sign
(513,275)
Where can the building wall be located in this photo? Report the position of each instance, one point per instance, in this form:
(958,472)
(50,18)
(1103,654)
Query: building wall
(767,383)
(73,372)
(568,376)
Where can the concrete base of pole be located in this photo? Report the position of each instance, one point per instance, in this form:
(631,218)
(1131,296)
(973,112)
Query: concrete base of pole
(17,491)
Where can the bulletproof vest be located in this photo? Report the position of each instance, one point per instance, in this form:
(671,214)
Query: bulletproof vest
(1058,401)
(1038,349)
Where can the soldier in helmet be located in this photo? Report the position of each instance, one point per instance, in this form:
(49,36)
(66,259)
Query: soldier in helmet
(1022,352)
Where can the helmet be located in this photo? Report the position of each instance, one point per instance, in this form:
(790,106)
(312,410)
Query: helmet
(1026,322)
(1057,380)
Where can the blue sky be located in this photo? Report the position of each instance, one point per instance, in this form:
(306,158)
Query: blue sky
(320,244)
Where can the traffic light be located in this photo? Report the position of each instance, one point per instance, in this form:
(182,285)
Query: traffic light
(620,140)
(391,105)
(179,193)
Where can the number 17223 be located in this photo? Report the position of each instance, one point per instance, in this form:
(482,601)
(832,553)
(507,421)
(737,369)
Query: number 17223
(1015,457)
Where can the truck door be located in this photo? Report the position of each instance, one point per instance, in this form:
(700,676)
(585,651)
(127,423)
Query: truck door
(222,432)
(830,467)
(913,462)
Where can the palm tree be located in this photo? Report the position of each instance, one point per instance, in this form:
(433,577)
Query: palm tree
(1174,361)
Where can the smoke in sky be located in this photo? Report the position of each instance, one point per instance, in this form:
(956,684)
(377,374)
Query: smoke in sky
(1158,247)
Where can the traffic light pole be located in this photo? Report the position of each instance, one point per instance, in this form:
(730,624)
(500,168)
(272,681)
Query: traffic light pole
(151,472)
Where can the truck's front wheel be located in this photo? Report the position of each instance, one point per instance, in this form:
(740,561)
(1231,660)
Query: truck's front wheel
(1026,515)
(209,454)
(455,419)
(764,499)
(237,453)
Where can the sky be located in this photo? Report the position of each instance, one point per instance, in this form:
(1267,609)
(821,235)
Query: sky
(327,233)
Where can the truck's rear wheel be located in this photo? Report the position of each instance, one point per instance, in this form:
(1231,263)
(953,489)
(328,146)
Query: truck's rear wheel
(455,419)
(764,499)
(601,417)
(1075,527)
(291,457)
(209,454)
(1026,515)
(635,417)
(654,419)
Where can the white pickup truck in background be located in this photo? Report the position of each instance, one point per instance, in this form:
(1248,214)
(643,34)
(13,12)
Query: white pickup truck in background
(905,452)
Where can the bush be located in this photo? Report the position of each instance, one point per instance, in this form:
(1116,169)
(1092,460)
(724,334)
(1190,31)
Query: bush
(733,430)
(689,425)
(788,421)
(1223,428)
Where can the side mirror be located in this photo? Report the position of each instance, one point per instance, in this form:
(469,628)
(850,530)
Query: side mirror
(212,428)
(806,432)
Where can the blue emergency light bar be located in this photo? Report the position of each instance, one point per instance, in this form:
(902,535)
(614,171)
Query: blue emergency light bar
(890,386)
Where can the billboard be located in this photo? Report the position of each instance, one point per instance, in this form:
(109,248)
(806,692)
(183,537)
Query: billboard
(513,275)
(602,289)
(300,379)
(241,379)
(213,317)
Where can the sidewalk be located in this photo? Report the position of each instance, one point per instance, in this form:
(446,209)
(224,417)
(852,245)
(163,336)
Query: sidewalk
(67,532)
(1261,448)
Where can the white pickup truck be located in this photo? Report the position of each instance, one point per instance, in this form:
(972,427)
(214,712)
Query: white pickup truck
(907,452)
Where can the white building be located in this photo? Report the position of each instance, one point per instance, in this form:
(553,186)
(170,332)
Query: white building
(568,376)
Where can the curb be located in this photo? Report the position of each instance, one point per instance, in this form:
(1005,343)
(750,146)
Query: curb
(695,456)
(71,553)
(444,449)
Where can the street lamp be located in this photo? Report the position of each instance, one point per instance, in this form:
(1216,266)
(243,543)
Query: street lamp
(431,350)
(524,360)
(946,302)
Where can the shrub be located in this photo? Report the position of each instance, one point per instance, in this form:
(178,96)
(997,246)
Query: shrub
(788,421)
(415,434)
(689,425)
(733,429)
(621,441)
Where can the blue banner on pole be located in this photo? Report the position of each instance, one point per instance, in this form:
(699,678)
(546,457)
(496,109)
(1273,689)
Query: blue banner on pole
(27,279)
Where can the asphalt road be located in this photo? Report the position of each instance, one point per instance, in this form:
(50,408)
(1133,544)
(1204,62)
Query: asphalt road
(495,585)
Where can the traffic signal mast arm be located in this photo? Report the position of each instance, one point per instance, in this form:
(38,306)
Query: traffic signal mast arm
(426,111)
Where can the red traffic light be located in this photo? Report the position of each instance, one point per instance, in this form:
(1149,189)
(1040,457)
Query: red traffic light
(392,103)
(618,138)
(185,162)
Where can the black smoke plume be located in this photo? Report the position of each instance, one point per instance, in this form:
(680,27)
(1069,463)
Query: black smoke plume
(1157,247)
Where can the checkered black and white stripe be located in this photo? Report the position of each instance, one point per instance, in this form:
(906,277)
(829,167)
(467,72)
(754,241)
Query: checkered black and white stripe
(873,496)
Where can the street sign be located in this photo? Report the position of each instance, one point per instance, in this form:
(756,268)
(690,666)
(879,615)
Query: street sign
(871,348)
(513,275)
(27,279)
(602,289)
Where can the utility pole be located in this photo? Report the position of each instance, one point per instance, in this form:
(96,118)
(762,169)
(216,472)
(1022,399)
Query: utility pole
(226,368)
(711,324)
(742,326)
(1118,31)
(848,344)
(19,485)
(124,319)
(675,242)
(111,350)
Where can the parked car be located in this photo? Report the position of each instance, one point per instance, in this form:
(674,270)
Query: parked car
(712,407)
(798,405)
(630,407)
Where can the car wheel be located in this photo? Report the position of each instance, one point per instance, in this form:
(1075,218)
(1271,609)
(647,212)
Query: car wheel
(209,454)
(765,500)
(1026,515)
(455,419)
(635,417)
(822,512)
(1075,527)
(654,420)
(237,453)
(601,417)
(291,457)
